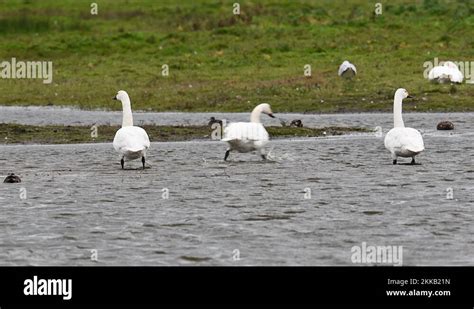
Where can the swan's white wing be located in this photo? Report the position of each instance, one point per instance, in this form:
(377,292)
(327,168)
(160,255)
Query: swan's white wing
(402,139)
(456,75)
(439,73)
(245,131)
(450,64)
(146,139)
(435,73)
(346,65)
(245,136)
(353,68)
(413,141)
(342,68)
(131,139)
(446,73)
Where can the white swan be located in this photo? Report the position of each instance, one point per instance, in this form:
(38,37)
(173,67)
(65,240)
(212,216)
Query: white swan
(445,73)
(130,141)
(347,69)
(401,141)
(248,136)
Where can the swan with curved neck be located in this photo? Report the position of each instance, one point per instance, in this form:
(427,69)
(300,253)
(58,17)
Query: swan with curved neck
(258,110)
(400,94)
(127,117)
(248,136)
(402,141)
(130,141)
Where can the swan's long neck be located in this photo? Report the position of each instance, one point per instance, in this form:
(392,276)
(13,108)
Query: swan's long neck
(255,115)
(127,120)
(397,113)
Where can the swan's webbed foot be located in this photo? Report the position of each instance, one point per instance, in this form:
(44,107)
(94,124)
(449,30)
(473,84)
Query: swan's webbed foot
(264,157)
(122,162)
(226,154)
(394,162)
(143,162)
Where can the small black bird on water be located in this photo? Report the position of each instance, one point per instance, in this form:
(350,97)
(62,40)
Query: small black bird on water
(296,123)
(214,120)
(12,178)
(445,125)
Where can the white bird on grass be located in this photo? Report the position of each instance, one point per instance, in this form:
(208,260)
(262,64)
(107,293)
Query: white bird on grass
(347,70)
(448,72)
(248,136)
(130,141)
(401,141)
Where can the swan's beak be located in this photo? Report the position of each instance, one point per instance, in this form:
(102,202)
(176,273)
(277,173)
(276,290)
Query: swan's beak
(271,115)
(114,98)
(410,97)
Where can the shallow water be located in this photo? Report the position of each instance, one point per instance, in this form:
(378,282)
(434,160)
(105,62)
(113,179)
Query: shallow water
(39,115)
(78,199)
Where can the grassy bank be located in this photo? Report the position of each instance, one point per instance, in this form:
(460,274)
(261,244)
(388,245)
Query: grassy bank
(219,61)
(23,134)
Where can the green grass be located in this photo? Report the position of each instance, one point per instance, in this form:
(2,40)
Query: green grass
(222,62)
(53,134)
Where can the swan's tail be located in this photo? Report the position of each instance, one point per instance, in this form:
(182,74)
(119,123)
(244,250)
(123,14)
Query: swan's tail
(133,153)
(134,149)
(416,149)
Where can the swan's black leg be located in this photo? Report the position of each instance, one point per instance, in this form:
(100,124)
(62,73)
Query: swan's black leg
(412,161)
(143,162)
(394,162)
(264,157)
(122,162)
(226,154)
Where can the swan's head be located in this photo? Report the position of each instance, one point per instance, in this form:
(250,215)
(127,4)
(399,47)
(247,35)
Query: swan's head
(402,93)
(266,109)
(121,95)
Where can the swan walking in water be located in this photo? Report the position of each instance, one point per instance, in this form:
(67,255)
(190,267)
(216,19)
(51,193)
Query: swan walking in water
(248,136)
(401,141)
(130,141)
